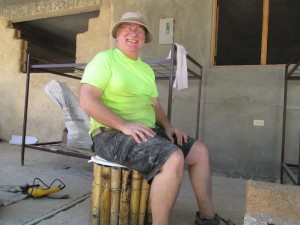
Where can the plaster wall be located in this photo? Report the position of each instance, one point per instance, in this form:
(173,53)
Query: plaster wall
(45,119)
(19,11)
(232,96)
(11,83)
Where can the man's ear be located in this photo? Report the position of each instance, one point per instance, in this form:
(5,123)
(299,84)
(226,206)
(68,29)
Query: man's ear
(118,33)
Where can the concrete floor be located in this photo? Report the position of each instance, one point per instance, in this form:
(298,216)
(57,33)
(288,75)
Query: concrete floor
(229,194)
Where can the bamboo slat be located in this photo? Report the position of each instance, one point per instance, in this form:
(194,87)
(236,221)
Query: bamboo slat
(115,195)
(135,197)
(105,196)
(125,197)
(95,197)
(149,213)
(145,189)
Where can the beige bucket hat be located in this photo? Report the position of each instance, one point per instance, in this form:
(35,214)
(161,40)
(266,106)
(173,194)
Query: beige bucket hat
(133,17)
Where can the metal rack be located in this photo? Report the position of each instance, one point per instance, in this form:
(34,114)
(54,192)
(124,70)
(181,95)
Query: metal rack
(164,69)
(292,73)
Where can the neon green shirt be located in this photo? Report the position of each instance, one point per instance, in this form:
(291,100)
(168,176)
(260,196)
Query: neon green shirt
(128,86)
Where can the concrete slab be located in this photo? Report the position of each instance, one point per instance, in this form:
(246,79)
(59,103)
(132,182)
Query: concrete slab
(229,194)
(74,172)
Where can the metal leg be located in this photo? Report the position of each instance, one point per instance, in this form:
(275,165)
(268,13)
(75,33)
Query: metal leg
(25,110)
(299,164)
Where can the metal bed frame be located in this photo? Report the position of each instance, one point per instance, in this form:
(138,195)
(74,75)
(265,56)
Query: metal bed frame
(292,72)
(164,69)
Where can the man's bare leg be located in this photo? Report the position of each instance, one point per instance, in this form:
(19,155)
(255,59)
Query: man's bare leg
(165,187)
(200,176)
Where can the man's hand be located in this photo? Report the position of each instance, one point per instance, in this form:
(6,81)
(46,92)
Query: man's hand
(180,135)
(138,131)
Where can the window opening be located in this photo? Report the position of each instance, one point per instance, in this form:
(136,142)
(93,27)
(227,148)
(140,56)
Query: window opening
(284,31)
(254,32)
(54,39)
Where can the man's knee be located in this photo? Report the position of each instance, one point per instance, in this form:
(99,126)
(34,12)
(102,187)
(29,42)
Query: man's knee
(200,148)
(198,153)
(175,163)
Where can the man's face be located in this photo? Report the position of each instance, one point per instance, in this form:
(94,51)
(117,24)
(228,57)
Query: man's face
(130,39)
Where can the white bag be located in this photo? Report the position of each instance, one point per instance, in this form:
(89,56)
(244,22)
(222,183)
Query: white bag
(76,120)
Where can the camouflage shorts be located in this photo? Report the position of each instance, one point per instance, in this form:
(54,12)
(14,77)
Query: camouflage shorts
(146,157)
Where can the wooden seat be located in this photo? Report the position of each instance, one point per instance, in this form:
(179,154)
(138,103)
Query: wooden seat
(120,196)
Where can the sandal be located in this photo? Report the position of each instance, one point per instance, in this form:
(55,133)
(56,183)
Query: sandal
(214,221)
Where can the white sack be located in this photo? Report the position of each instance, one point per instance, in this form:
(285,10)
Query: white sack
(76,120)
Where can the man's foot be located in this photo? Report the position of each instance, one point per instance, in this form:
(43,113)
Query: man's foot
(216,220)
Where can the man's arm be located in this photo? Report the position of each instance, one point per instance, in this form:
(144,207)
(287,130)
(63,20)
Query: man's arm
(163,121)
(89,100)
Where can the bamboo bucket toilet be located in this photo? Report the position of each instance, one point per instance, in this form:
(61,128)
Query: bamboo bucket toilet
(120,196)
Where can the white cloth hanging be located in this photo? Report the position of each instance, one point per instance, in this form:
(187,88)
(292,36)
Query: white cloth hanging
(181,77)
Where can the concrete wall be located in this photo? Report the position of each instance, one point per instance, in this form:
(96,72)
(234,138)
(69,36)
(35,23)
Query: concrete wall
(232,97)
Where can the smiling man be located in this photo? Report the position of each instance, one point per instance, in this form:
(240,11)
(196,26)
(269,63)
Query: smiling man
(129,127)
